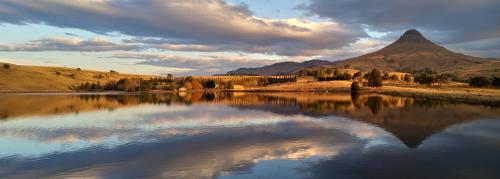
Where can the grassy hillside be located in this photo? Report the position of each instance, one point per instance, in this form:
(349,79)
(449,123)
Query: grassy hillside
(17,78)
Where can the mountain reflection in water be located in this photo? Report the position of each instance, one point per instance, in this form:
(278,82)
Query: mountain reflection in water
(245,135)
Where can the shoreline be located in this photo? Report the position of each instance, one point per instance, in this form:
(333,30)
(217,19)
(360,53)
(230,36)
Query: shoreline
(461,98)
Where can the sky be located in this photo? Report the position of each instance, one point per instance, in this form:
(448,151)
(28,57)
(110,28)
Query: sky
(206,37)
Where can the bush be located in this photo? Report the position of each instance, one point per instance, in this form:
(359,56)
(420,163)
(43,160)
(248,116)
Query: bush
(279,79)
(110,85)
(407,78)
(358,76)
(386,76)
(170,86)
(210,84)
(443,78)
(58,73)
(355,87)
(230,85)
(394,78)
(78,69)
(144,85)
(479,82)
(170,76)
(127,85)
(188,79)
(495,81)
(6,66)
(425,78)
(374,78)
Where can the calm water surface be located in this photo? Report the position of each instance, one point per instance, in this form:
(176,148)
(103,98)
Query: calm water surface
(245,135)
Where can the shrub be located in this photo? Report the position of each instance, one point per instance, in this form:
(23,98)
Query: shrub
(374,78)
(210,84)
(443,78)
(189,79)
(495,81)
(170,86)
(427,78)
(145,85)
(6,66)
(386,76)
(283,79)
(479,82)
(355,87)
(72,75)
(358,76)
(78,69)
(58,73)
(230,85)
(127,85)
(170,76)
(394,78)
(110,85)
(407,78)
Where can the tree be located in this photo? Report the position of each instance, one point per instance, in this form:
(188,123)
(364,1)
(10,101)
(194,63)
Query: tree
(407,78)
(386,76)
(170,77)
(355,87)
(479,82)
(358,75)
(230,85)
(374,78)
(110,85)
(127,85)
(329,71)
(425,77)
(210,84)
(394,78)
(188,79)
(443,78)
(495,81)
(145,85)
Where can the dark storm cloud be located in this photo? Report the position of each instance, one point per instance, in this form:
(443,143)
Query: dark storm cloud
(205,22)
(457,20)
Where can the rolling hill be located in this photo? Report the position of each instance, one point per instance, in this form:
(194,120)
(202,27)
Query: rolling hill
(279,68)
(412,51)
(19,78)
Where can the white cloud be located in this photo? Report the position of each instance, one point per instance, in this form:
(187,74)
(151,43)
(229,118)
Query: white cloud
(204,23)
(69,44)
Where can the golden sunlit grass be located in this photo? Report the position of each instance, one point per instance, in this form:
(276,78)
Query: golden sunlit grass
(18,78)
(456,91)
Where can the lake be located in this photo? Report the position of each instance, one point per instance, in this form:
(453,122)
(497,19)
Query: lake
(245,135)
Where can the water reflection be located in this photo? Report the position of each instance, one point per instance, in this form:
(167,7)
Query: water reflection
(245,135)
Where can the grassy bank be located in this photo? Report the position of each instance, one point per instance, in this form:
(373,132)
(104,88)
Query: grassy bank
(459,92)
(17,78)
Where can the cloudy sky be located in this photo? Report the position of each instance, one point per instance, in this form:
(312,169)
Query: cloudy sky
(200,37)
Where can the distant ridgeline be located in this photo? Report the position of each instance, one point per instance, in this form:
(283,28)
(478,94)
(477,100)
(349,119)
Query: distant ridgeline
(411,52)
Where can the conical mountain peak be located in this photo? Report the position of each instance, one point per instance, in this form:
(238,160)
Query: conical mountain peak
(412,36)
